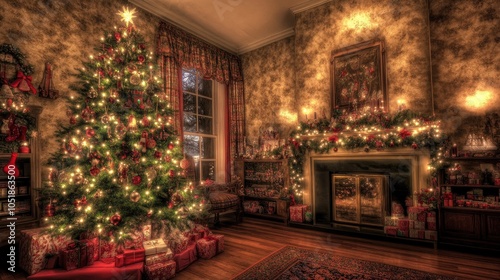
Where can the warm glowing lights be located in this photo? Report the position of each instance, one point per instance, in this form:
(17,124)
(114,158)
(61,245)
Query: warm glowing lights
(288,116)
(127,15)
(479,100)
(357,21)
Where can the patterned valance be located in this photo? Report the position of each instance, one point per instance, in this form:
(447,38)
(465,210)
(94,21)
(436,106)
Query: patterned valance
(191,52)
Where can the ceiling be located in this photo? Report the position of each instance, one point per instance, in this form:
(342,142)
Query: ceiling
(237,26)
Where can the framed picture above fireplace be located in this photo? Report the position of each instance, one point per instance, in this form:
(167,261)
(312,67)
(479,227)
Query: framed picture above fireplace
(358,76)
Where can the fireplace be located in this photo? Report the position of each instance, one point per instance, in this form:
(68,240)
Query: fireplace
(356,190)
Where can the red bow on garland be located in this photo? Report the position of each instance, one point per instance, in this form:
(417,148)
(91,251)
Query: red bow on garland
(23,83)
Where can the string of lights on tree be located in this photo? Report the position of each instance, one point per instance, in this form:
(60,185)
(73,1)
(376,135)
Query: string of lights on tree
(366,131)
(120,165)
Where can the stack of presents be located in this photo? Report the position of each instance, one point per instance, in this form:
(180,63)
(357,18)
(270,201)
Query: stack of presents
(419,224)
(44,256)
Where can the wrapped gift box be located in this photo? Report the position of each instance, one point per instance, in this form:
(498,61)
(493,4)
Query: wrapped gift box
(403,233)
(160,271)
(417,233)
(155,246)
(185,258)
(207,248)
(161,257)
(417,213)
(403,224)
(431,235)
(178,243)
(297,213)
(391,221)
(431,226)
(34,244)
(219,239)
(107,250)
(77,255)
(130,257)
(391,230)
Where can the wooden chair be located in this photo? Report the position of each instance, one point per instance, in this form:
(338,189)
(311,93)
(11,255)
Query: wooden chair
(223,197)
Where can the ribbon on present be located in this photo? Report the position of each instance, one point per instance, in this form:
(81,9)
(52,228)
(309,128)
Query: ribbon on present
(23,83)
(130,257)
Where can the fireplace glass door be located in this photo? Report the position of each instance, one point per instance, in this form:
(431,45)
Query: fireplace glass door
(358,199)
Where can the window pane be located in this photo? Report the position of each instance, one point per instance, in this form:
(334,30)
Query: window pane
(205,125)
(192,146)
(207,148)
(189,103)
(204,106)
(205,87)
(188,81)
(208,170)
(189,122)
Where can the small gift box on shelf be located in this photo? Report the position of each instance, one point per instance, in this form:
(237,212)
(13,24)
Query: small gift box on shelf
(155,246)
(186,257)
(130,257)
(417,233)
(158,258)
(160,271)
(297,213)
(403,233)
(207,248)
(391,230)
(391,221)
(403,224)
(431,235)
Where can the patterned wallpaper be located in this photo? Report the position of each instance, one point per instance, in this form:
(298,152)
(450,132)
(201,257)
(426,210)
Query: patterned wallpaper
(466,66)
(270,88)
(63,33)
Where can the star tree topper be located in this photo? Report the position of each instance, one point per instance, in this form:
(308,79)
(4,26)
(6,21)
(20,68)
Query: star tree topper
(127,15)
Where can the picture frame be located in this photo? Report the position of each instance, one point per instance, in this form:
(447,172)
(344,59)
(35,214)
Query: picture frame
(358,77)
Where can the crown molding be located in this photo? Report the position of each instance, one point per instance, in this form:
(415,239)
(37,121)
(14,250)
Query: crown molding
(307,5)
(268,40)
(164,13)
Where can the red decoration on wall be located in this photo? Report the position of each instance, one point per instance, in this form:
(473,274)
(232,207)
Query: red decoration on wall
(10,168)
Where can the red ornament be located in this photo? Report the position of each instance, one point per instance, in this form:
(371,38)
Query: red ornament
(333,138)
(151,143)
(404,133)
(90,132)
(391,144)
(168,158)
(145,121)
(157,154)
(136,180)
(118,36)
(171,173)
(83,201)
(170,146)
(115,219)
(141,58)
(72,120)
(414,146)
(94,171)
(142,46)
(170,205)
(335,149)
(150,213)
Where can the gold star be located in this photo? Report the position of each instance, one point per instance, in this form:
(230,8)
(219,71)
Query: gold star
(127,15)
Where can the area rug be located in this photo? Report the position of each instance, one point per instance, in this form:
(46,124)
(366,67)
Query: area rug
(297,263)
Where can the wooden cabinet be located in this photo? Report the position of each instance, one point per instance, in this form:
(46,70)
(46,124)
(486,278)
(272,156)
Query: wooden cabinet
(20,205)
(470,209)
(265,183)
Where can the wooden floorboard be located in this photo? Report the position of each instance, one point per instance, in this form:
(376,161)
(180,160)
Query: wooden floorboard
(254,239)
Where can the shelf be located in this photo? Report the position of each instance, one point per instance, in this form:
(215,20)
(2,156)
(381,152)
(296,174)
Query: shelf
(470,209)
(470,186)
(5,214)
(473,158)
(5,178)
(275,216)
(16,196)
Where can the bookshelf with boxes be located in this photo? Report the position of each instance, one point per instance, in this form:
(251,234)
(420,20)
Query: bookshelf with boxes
(470,207)
(264,182)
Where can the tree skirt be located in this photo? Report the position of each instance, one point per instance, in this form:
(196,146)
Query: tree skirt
(296,263)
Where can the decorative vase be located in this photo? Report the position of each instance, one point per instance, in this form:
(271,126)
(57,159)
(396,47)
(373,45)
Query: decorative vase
(10,168)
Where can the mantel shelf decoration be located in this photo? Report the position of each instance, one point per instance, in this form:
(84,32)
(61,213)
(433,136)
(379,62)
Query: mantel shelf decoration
(364,131)
(16,88)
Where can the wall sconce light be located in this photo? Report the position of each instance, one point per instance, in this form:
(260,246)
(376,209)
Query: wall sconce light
(357,21)
(479,100)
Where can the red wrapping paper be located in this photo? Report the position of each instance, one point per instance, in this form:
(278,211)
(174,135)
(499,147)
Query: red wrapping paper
(297,213)
(161,257)
(185,258)
(219,239)
(207,248)
(403,224)
(391,230)
(160,271)
(74,256)
(130,257)
(98,271)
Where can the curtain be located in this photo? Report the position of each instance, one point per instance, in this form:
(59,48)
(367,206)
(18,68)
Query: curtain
(180,49)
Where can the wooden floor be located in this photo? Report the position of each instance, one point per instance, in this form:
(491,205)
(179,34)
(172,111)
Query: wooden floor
(254,239)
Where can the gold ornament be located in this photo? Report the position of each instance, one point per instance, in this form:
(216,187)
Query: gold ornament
(135,196)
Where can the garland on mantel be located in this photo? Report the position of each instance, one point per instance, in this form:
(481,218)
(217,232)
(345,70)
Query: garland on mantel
(364,131)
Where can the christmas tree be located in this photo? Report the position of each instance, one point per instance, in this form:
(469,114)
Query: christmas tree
(119,163)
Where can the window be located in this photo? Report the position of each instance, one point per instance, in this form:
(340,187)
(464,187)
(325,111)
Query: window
(200,125)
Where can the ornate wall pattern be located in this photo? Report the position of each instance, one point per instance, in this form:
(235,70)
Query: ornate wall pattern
(466,62)
(63,33)
(269,75)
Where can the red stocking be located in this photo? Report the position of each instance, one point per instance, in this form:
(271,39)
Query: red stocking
(10,168)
